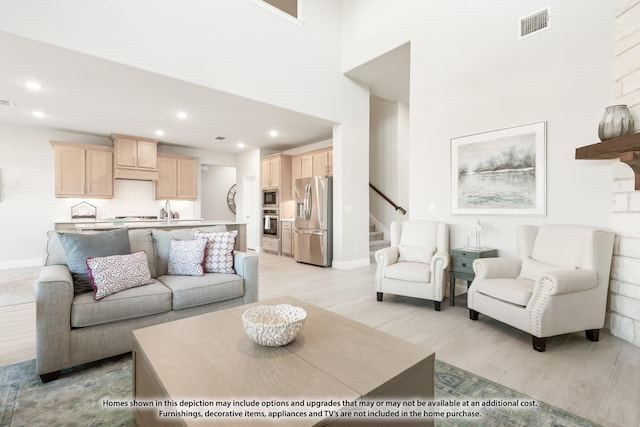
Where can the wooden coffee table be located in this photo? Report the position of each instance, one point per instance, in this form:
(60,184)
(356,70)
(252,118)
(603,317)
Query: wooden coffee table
(210,358)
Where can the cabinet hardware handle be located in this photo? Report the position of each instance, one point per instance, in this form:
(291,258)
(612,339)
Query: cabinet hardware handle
(464,264)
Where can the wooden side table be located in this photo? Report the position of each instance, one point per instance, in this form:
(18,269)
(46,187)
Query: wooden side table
(462,265)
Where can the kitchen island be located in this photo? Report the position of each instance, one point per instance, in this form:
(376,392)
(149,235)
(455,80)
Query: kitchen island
(241,240)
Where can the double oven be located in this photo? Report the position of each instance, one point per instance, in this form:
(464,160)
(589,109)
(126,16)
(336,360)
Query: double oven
(270,214)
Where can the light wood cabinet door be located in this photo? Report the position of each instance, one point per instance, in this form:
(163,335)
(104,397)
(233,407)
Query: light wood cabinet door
(322,163)
(177,178)
(83,170)
(270,173)
(99,173)
(187,179)
(70,171)
(147,155)
(135,153)
(167,184)
(126,152)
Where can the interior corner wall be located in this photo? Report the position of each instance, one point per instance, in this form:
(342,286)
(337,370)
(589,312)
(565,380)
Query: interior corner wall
(216,181)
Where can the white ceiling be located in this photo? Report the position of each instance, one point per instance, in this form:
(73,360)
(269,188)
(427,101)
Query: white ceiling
(90,95)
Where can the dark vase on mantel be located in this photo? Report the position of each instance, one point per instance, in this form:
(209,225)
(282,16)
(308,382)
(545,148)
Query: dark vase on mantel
(616,121)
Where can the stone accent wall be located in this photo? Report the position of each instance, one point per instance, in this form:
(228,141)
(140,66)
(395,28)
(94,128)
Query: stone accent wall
(624,318)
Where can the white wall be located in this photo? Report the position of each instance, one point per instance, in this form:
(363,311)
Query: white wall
(471,74)
(215,184)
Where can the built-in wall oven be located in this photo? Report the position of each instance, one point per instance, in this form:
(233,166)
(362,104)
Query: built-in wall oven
(270,223)
(269,199)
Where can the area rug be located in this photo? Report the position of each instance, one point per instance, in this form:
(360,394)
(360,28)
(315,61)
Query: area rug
(75,399)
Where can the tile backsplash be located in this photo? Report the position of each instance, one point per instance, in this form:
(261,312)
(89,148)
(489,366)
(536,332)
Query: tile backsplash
(131,198)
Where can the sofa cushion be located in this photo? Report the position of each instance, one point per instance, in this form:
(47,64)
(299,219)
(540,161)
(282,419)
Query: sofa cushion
(218,257)
(129,304)
(562,244)
(533,270)
(191,291)
(141,240)
(79,246)
(115,273)
(409,271)
(186,257)
(515,291)
(161,244)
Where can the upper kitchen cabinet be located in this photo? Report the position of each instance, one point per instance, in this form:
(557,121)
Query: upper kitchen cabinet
(271,168)
(83,170)
(312,163)
(177,177)
(135,157)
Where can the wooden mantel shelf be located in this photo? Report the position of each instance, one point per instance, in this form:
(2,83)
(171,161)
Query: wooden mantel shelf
(626,148)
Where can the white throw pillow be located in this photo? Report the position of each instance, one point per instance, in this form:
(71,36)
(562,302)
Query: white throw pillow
(218,256)
(413,254)
(115,273)
(533,270)
(186,257)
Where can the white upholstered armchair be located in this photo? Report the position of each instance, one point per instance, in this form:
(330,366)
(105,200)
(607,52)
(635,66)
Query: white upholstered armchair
(558,284)
(415,263)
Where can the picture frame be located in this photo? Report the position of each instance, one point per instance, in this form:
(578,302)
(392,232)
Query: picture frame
(501,172)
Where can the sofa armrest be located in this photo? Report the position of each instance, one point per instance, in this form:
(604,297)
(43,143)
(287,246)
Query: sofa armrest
(440,261)
(493,268)
(387,256)
(54,295)
(568,281)
(246,265)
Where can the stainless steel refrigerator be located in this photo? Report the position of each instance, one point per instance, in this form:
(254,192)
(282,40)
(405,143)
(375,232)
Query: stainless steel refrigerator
(313,235)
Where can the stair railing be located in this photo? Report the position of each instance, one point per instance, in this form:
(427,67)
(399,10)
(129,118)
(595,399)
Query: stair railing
(391,202)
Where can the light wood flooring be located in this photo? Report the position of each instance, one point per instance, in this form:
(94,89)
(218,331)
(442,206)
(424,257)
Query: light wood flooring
(598,381)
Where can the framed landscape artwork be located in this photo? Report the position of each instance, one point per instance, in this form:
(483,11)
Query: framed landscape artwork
(500,172)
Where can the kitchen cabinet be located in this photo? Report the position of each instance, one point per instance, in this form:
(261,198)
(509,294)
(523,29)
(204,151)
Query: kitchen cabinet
(270,168)
(177,177)
(287,237)
(135,157)
(323,163)
(312,163)
(83,170)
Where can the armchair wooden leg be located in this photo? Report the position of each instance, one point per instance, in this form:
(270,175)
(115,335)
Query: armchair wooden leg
(473,315)
(436,305)
(539,344)
(379,296)
(593,334)
(50,376)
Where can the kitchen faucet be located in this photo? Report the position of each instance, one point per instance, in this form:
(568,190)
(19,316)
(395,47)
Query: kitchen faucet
(167,208)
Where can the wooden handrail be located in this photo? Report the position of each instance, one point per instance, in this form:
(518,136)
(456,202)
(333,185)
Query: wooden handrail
(391,202)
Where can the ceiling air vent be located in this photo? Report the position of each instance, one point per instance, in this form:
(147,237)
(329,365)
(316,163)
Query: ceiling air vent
(220,138)
(534,23)
(6,103)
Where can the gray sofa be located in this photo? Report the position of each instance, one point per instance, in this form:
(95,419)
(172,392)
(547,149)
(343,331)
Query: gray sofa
(72,330)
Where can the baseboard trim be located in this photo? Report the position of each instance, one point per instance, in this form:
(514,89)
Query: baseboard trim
(347,265)
(20,263)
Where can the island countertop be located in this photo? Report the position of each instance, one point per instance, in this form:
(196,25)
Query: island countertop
(174,224)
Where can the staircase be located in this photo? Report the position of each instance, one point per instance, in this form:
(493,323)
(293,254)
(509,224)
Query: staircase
(376,241)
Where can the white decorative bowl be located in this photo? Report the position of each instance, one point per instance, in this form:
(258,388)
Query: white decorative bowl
(273,325)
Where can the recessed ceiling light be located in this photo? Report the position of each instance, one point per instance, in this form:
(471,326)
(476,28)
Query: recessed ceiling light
(273,133)
(33,85)
(181,115)
(240,145)
(38,114)
(160,132)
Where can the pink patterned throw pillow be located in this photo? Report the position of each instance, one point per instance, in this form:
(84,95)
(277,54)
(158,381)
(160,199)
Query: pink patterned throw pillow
(115,273)
(186,257)
(219,253)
